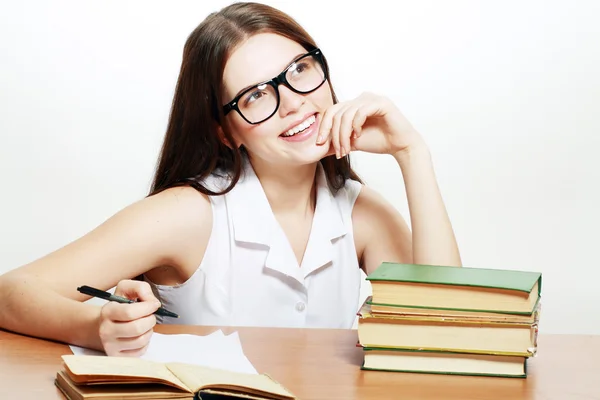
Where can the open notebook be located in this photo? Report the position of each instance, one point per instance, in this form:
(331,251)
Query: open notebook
(108,378)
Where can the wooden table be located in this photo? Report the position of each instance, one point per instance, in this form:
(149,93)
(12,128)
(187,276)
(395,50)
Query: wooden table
(325,364)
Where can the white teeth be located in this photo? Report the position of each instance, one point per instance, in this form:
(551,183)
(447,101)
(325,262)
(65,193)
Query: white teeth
(300,127)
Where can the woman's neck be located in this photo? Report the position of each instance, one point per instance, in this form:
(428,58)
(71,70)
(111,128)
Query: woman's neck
(289,190)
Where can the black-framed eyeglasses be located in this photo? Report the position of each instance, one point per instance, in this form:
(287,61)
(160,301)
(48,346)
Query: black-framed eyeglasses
(259,103)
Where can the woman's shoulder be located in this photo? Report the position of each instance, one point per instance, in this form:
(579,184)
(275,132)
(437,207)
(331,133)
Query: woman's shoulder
(378,224)
(371,204)
(371,209)
(178,210)
(182,219)
(176,201)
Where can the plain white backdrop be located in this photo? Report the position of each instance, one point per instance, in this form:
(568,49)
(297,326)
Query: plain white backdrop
(506,93)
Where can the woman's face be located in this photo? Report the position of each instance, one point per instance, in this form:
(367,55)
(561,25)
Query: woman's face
(289,136)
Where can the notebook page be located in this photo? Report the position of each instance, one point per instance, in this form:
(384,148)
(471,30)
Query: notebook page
(197,378)
(107,368)
(214,351)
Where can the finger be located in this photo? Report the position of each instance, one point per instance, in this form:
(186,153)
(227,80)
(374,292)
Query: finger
(128,312)
(131,347)
(325,124)
(131,329)
(135,290)
(135,353)
(134,344)
(331,150)
(346,127)
(335,130)
(360,117)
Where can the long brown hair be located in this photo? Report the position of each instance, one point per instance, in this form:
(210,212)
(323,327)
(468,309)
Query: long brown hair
(192,148)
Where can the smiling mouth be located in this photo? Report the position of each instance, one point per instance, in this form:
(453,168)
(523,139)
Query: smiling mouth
(300,127)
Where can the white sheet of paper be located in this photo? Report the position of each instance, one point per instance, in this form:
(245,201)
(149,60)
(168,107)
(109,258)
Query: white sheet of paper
(216,350)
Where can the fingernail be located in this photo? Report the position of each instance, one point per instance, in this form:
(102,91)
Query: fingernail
(157,303)
(319,138)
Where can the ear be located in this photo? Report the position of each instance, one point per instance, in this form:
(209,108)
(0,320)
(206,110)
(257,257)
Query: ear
(224,139)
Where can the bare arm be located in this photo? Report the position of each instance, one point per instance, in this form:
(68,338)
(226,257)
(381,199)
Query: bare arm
(374,124)
(382,233)
(433,240)
(40,299)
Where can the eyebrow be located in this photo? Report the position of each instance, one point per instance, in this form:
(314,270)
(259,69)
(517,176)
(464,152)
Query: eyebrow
(294,59)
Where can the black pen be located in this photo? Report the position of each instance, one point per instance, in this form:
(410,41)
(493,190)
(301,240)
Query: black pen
(90,291)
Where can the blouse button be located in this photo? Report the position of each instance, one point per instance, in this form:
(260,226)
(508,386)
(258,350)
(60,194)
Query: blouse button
(300,306)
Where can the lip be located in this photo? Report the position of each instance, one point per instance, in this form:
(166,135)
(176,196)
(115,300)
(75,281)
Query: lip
(307,133)
(298,122)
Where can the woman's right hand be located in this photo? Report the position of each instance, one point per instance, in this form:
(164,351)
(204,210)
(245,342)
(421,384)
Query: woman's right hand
(125,329)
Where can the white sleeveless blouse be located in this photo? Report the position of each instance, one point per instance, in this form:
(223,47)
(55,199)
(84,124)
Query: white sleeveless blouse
(249,275)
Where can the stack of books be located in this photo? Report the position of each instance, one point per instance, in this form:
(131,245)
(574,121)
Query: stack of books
(450,320)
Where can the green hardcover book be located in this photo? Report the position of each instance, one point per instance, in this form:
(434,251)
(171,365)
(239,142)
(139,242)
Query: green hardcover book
(456,288)
(444,362)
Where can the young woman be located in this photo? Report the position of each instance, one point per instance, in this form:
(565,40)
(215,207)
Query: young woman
(255,216)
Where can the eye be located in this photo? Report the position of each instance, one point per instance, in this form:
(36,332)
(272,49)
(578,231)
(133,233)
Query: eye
(299,68)
(255,95)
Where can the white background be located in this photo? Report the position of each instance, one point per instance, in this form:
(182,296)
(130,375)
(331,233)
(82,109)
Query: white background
(506,93)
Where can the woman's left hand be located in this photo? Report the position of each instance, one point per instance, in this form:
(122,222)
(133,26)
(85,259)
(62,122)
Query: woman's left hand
(369,123)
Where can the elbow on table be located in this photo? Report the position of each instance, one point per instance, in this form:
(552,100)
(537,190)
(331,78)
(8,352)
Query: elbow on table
(9,291)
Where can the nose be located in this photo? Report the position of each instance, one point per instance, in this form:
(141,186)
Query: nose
(289,101)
